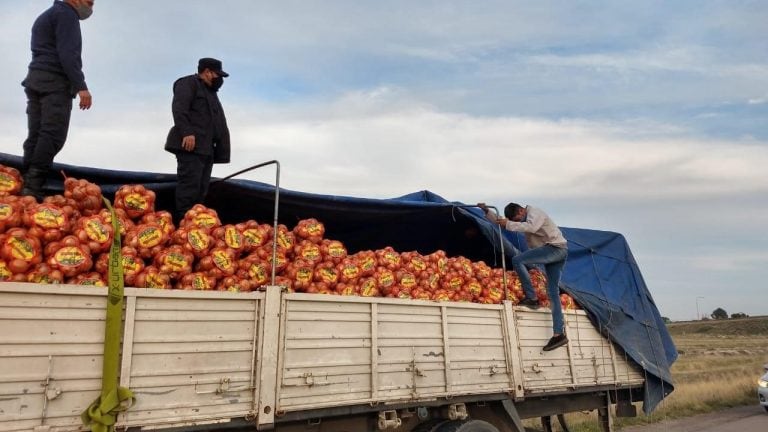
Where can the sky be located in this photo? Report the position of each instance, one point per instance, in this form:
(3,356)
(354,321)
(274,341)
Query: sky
(646,118)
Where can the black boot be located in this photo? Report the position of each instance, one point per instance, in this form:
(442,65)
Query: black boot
(34,179)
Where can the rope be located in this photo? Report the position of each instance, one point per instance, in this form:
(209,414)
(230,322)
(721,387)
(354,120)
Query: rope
(578,332)
(613,367)
(656,360)
(599,280)
(101,415)
(592,251)
(645,372)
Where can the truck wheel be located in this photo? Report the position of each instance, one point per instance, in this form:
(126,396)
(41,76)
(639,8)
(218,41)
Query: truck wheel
(765,407)
(467,426)
(430,426)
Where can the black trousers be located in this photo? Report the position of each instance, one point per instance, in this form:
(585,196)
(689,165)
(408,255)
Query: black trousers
(49,108)
(193,172)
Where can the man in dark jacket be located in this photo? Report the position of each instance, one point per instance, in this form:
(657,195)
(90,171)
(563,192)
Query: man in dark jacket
(55,77)
(200,136)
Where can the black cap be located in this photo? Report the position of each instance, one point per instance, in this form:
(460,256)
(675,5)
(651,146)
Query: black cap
(212,64)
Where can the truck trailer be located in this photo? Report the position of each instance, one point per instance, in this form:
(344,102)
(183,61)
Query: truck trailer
(290,361)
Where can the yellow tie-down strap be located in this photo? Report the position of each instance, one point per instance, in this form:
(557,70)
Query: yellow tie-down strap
(101,415)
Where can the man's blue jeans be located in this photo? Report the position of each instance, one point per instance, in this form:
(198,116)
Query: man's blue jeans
(553,259)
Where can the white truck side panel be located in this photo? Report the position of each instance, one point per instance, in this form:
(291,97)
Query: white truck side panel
(194,357)
(422,350)
(355,350)
(51,350)
(189,357)
(589,360)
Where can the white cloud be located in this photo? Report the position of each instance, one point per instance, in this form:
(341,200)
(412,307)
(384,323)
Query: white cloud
(383,143)
(759,100)
(713,258)
(700,60)
(728,261)
(410,147)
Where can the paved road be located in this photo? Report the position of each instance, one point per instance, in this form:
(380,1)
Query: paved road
(752,418)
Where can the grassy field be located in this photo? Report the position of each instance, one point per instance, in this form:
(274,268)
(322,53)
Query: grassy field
(718,366)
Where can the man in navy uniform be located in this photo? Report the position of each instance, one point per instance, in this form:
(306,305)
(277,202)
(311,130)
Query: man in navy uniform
(55,77)
(200,136)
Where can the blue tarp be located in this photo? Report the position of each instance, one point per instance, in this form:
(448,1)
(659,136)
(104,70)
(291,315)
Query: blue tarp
(601,273)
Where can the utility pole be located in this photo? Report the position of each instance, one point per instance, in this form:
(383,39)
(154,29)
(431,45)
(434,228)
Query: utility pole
(698,314)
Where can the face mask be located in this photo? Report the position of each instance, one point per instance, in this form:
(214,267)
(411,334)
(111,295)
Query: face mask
(216,83)
(84,11)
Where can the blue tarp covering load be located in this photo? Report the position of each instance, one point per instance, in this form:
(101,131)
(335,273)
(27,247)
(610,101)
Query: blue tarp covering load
(601,273)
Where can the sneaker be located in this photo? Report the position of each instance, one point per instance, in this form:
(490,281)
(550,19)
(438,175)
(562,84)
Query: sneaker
(531,303)
(556,342)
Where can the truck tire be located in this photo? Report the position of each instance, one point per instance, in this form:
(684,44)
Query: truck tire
(467,426)
(430,425)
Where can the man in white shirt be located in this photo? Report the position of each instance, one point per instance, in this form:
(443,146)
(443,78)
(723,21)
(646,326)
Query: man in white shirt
(546,245)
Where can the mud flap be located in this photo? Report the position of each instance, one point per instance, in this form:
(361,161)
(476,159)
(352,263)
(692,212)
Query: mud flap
(625,409)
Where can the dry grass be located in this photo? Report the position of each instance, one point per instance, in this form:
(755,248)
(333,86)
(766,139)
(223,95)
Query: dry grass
(718,368)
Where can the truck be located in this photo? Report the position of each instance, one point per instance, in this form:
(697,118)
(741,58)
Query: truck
(290,361)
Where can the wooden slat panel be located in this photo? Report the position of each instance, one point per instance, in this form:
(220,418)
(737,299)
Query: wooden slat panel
(56,339)
(192,359)
(478,352)
(326,354)
(588,363)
